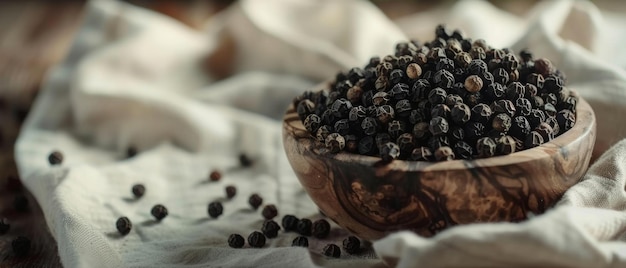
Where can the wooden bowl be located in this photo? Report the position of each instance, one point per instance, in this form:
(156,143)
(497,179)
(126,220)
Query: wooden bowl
(426,197)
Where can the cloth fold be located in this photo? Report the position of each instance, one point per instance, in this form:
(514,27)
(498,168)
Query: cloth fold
(135,78)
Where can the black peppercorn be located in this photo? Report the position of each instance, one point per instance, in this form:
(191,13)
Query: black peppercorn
(443,78)
(369,126)
(478,53)
(481,113)
(159,212)
(462,150)
(335,142)
(438,126)
(290,223)
(246,161)
(477,66)
(215,209)
(406,142)
(321,228)
(440,110)
(21,246)
(138,190)
(420,90)
(438,141)
(505,145)
(416,116)
(312,123)
(256,239)
(501,122)
(389,152)
(384,114)
(566,120)
(554,124)
(533,139)
(342,126)
(523,106)
(215,175)
(304,227)
(444,153)
(20,203)
(520,127)
(255,201)
(4,226)
(132,151)
(526,55)
(453,99)
(300,241)
(332,250)
(354,94)
(544,67)
(270,228)
(437,96)
(269,212)
(553,84)
(351,143)
(457,133)
(550,98)
(536,117)
(493,92)
(486,147)
(536,80)
(395,128)
(357,113)
(231,191)
(463,59)
(123,225)
(352,245)
(546,131)
(396,76)
(549,109)
(403,108)
(381,83)
(236,241)
(55,158)
(473,131)
(305,108)
(460,113)
(367,145)
(500,75)
(421,154)
(381,139)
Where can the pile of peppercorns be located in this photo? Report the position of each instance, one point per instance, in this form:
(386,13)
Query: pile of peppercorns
(451,98)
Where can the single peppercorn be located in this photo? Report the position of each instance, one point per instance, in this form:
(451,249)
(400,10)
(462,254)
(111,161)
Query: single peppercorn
(486,147)
(321,228)
(256,239)
(332,250)
(501,122)
(305,108)
(481,113)
(437,96)
(438,126)
(352,245)
(544,66)
(389,152)
(473,83)
(335,142)
(493,92)
(460,113)
(255,201)
(520,127)
(421,154)
(123,225)
(462,150)
(533,139)
(505,145)
(4,226)
(290,223)
(403,108)
(235,241)
(304,227)
(159,212)
(566,119)
(300,241)
(246,161)
(413,71)
(440,110)
(270,228)
(367,145)
(215,175)
(269,212)
(138,190)
(395,128)
(312,123)
(21,246)
(215,209)
(55,158)
(231,191)
(384,114)
(444,153)
(406,142)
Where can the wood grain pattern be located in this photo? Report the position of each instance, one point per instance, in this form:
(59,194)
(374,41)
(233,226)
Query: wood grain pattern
(427,197)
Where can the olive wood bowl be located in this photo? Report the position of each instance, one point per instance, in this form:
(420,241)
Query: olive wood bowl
(372,201)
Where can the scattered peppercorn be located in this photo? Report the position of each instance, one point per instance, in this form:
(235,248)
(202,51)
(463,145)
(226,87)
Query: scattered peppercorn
(321,228)
(123,225)
(270,228)
(304,227)
(290,223)
(138,190)
(231,191)
(215,175)
(159,212)
(21,246)
(246,161)
(255,201)
(55,158)
(236,241)
(269,212)
(300,241)
(4,226)
(332,250)
(215,209)
(256,239)
(352,245)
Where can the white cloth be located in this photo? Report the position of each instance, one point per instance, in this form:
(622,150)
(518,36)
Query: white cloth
(133,77)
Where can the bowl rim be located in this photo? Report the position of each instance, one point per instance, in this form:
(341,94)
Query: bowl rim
(585,123)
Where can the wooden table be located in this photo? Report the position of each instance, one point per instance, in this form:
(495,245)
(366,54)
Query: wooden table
(34,35)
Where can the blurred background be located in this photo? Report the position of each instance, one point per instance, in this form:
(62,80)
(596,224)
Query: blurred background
(34,35)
